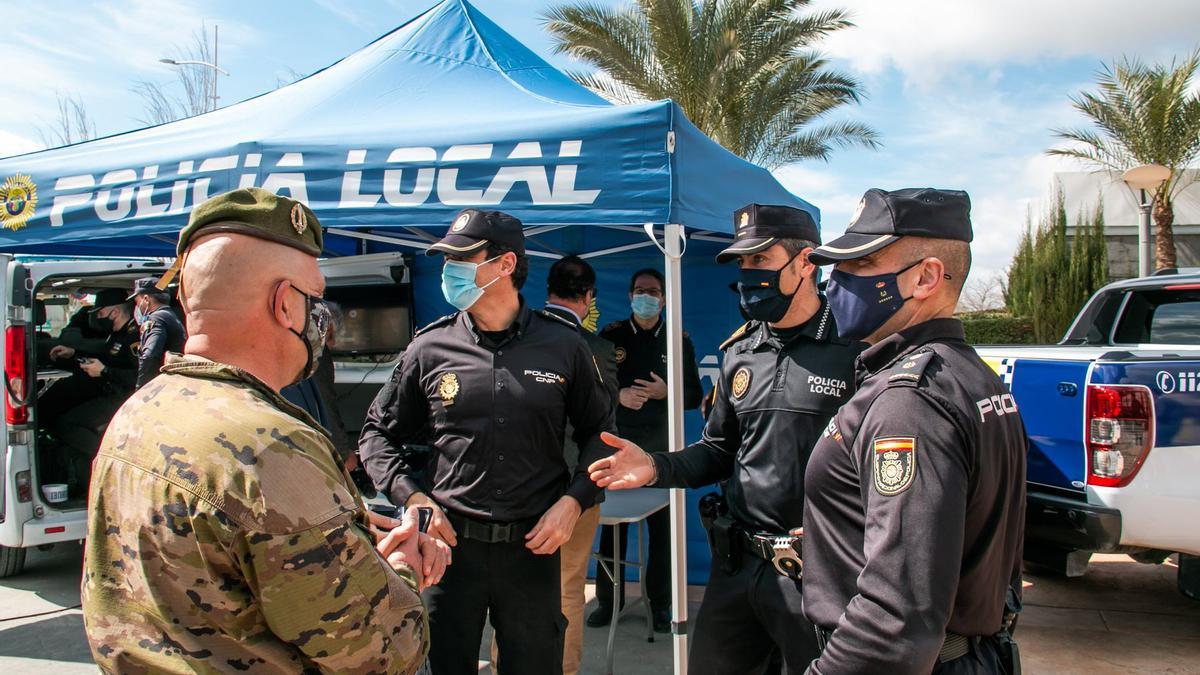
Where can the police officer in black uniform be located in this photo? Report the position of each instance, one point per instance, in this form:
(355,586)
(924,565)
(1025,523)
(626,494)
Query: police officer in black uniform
(916,491)
(641,354)
(492,388)
(784,375)
(161,329)
(77,409)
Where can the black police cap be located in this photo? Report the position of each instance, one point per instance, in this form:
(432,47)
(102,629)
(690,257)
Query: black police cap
(473,229)
(144,286)
(758,227)
(883,217)
(109,297)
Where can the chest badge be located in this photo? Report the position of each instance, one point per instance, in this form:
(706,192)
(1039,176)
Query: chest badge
(895,464)
(619,354)
(741,383)
(448,388)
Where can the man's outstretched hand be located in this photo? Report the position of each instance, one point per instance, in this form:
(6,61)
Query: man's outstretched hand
(627,468)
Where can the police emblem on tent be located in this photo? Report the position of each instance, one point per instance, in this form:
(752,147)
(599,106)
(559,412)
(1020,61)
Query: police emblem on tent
(18,201)
(895,464)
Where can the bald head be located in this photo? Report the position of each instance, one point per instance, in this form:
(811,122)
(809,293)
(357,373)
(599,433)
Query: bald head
(244,302)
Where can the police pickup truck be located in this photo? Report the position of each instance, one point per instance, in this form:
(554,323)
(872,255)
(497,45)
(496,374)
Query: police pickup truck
(1113,416)
(43,482)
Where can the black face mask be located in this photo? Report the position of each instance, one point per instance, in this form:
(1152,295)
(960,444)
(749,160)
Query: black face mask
(761,298)
(100,324)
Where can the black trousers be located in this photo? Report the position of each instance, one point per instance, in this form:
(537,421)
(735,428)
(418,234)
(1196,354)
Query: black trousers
(658,562)
(983,659)
(520,592)
(78,409)
(748,616)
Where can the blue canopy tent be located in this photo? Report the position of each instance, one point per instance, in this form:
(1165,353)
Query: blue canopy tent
(386,145)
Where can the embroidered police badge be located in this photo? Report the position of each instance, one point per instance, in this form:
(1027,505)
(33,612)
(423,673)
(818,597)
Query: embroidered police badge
(448,388)
(619,354)
(745,219)
(895,464)
(741,383)
(460,223)
(299,221)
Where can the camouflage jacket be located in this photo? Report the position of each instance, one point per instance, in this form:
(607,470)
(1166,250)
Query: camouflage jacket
(224,536)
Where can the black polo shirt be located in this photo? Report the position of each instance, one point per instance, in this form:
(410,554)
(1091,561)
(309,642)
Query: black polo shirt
(915,505)
(639,352)
(778,390)
(494,409)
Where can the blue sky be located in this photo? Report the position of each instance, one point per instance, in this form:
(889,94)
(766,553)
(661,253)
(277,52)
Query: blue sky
(964,92)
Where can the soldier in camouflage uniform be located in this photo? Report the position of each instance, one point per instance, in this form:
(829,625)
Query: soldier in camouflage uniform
(224,535)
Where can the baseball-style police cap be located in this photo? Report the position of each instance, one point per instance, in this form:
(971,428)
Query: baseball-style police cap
(144,286)
(109,297)
(758,227)
(883,217)
(255,212)
(473,229)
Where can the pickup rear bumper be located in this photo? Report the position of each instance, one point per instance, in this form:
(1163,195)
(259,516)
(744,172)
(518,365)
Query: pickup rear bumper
(1065,523)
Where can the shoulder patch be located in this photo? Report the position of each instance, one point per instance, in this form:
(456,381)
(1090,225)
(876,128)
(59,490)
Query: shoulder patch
(551,316)
(738,334)
(908,371)
(436,324)
(894,464)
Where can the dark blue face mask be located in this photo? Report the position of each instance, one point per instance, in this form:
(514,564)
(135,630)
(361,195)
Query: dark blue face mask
(760,295)
(861,304)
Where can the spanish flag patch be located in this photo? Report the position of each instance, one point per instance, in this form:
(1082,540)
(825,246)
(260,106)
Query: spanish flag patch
(895,464)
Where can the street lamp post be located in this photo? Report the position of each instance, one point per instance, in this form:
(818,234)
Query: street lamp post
(1145,180)
(214,66)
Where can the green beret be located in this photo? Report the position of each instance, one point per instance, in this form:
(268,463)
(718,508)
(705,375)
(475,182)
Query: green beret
(255,212)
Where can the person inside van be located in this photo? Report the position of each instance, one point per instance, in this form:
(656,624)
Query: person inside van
(77,409)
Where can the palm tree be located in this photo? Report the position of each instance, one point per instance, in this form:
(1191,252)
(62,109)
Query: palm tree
(1144,114)
(743,71)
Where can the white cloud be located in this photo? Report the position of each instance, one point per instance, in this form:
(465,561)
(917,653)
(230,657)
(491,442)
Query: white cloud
(15,144)
(57,49)
(926,39)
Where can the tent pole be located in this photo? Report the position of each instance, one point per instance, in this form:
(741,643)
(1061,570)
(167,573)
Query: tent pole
(673,248)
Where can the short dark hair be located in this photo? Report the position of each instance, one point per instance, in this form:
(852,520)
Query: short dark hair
(794,246)
(647,272)
(520,272)
(160,298)
(570,278)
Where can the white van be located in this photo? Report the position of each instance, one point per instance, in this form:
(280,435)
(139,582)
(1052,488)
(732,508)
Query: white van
(374,292)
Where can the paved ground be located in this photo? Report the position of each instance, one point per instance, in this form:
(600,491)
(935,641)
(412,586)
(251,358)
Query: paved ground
(1121,617)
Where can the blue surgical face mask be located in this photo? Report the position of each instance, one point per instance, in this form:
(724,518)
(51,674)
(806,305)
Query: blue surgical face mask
(458,283)
(645,307)
(861,304)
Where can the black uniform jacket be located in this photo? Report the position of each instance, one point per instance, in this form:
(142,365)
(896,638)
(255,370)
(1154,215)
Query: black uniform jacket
(120,358)
(640,352)
(163,332)
(495,416)
(773,401)
(916,505)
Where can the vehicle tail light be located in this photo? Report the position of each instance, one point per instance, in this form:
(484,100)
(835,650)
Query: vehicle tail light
(24,487)
(1120,432)
(15,376)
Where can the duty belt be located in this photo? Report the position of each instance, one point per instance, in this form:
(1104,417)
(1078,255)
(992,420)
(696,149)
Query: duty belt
(953,647)
(783,552)
(490,532)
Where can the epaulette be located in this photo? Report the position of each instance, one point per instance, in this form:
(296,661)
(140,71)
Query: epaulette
(436,324)
(909,370)
(554,317)
(738,334)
